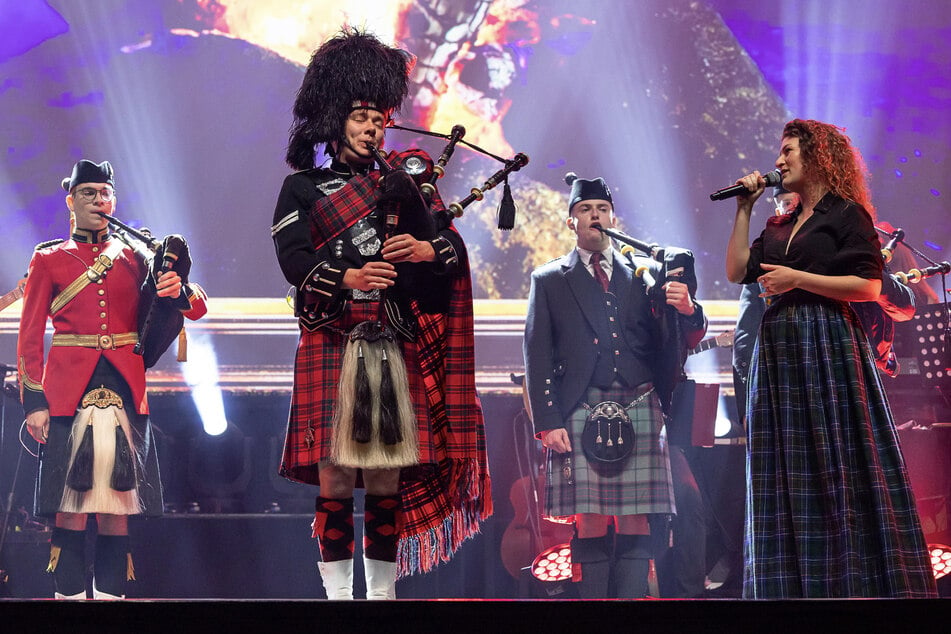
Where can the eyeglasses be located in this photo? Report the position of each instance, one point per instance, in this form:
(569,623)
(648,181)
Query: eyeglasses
(88,194)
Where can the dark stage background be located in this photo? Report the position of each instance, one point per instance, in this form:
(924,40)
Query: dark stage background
(190,100)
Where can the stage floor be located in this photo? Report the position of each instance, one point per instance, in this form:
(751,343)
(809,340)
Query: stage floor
(459,616)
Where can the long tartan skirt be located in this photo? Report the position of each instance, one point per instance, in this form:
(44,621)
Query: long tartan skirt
(642,485)
(830,512)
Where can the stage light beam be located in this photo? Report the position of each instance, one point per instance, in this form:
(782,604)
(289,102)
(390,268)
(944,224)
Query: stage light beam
(201,374)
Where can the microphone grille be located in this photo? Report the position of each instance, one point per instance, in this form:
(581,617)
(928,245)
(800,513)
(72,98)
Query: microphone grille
(773,178)
(570,178)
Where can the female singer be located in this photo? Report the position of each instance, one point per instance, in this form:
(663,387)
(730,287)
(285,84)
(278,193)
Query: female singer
(830,512)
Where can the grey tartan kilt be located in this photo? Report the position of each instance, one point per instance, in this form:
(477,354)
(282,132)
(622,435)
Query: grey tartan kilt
(639,486)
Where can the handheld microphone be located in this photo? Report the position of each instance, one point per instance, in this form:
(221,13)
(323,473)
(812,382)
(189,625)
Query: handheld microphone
(773,178)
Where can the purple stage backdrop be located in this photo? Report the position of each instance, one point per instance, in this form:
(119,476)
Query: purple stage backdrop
(667,100)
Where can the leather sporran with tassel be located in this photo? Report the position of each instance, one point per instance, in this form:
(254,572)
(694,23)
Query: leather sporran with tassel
(608,434)
(374,422)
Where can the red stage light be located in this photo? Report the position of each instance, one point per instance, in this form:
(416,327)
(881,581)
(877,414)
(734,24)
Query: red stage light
(940,559)
(553,564)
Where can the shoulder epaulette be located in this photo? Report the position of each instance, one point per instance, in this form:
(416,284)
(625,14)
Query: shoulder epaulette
(48,244)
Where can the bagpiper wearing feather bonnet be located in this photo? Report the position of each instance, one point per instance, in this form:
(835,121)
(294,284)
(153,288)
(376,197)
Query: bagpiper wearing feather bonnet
(353,70)
(329,223)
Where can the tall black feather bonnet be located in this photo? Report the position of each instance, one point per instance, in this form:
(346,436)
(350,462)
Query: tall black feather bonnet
(351,70)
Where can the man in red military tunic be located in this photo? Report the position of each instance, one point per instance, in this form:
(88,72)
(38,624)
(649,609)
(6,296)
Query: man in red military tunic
(86,402)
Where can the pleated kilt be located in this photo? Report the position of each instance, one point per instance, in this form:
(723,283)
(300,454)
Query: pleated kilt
(641,485)
(830,512)
(317,368)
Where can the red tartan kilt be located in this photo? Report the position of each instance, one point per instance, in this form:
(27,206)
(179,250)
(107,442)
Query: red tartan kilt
(316,375)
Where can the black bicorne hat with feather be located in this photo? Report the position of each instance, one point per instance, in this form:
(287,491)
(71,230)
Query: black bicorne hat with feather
(353,67)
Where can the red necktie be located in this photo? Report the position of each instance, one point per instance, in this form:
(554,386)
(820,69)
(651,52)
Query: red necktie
(599,273)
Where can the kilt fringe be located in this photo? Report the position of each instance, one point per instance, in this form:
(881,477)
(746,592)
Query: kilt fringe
(421,552)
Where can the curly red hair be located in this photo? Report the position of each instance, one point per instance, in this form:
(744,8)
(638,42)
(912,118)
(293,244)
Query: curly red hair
(829,156)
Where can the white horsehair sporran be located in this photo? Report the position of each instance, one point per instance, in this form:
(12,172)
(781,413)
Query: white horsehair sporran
(102,464)
(374,421)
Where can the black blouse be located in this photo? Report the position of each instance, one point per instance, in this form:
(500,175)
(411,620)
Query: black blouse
(838,239)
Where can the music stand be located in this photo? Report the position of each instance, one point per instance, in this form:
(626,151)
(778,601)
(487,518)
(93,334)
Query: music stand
(929,332)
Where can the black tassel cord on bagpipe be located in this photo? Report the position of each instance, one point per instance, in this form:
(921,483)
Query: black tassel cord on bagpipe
(507,207)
